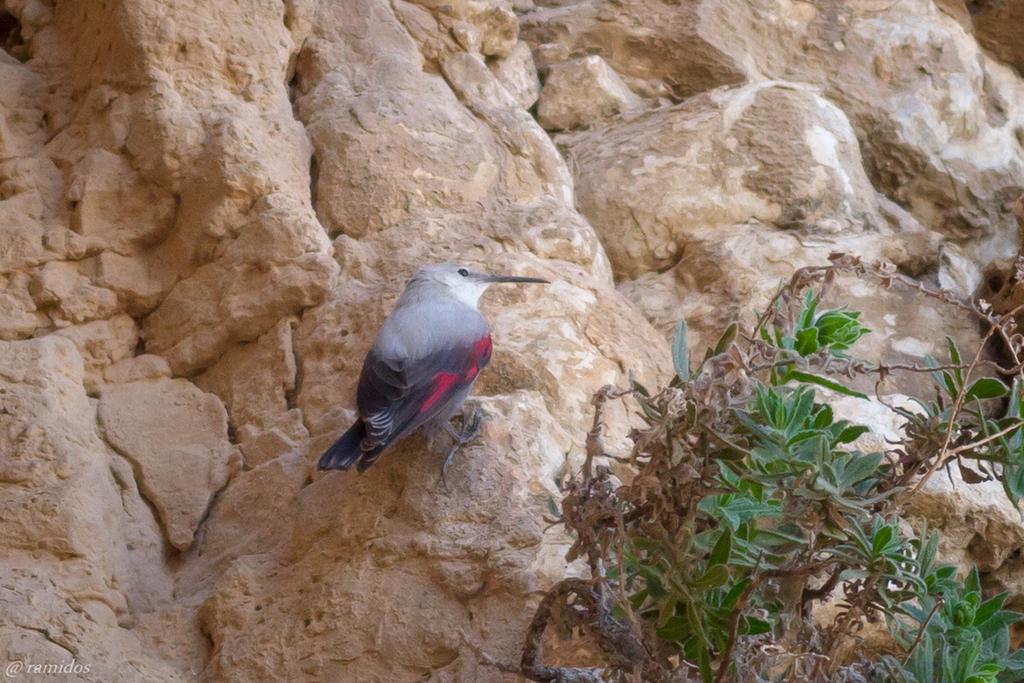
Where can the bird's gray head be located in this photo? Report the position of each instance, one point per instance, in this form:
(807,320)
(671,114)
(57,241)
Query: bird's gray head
(461,282)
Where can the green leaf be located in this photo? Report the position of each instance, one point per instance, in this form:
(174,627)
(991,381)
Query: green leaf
(680,354)
(654,581)
(881,539)
(986,387)
(752,626)
(666,611)
(851,434)
(722,550)
(806,341)
(776,536)
(823,419)
(860,468)
(715,576)
(675,629)
(704,662)
(637,599)
(943,379)
(989,608)
(802,376)
(972,584)
(809,308)
(954,358)
(637,387)
(726,339)
(734,593)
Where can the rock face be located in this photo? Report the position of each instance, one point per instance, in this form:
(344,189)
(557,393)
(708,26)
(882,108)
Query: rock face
(206,210)
(581,92)
(83,559)
(770,155)
(665,49)
(176,437)
(994,24)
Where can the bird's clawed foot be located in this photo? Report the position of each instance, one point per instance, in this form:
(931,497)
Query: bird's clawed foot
(471,428)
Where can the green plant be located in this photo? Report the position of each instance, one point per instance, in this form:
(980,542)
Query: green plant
(752,505)
(950,634)
(828,335)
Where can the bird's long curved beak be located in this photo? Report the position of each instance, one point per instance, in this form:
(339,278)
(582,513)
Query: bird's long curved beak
(515,278)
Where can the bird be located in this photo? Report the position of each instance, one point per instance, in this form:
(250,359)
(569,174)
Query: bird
(427,355)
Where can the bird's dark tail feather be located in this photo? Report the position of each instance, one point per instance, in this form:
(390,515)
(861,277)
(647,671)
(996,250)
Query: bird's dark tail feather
(345,451)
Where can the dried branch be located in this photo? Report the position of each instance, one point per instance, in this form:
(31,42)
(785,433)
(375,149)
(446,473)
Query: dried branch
(593,611)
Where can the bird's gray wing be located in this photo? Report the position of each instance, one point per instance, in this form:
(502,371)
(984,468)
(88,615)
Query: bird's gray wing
(398,392)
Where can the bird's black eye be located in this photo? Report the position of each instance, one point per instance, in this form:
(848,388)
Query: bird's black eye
(463,272)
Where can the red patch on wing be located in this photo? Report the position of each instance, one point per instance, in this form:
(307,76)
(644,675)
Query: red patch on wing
(482,347)
(481,354)
(443,381)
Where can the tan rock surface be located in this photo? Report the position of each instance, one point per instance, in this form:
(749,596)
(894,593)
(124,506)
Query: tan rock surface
(518,73)
(936,118)
(769,153)
(102,344)
(176,437)
(82,555)
(659,43)
(996,25)
(255,381)
(580,92)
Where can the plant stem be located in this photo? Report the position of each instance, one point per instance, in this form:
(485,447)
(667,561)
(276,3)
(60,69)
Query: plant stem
(920,632)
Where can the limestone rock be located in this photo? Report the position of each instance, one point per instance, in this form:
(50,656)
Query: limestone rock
(102,343)
(143,366)
(958,273)
(673,44)
(997,25)
(140,282)
(941,140)
(346,116)
(581,92)
(82,554)
(244,293)
(68,296)
(176,436)
(256,512)
(113,203)
(330,568)
(255,381)
(19,315)
(284,434)
(635,177)
(21,119)
(763,210)
(380,124)
(499,30)
(902,327)
(516,134)
(517,72)
(937,119)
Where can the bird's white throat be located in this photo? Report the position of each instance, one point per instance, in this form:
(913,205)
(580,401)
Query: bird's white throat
(468,291)
(463,290)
